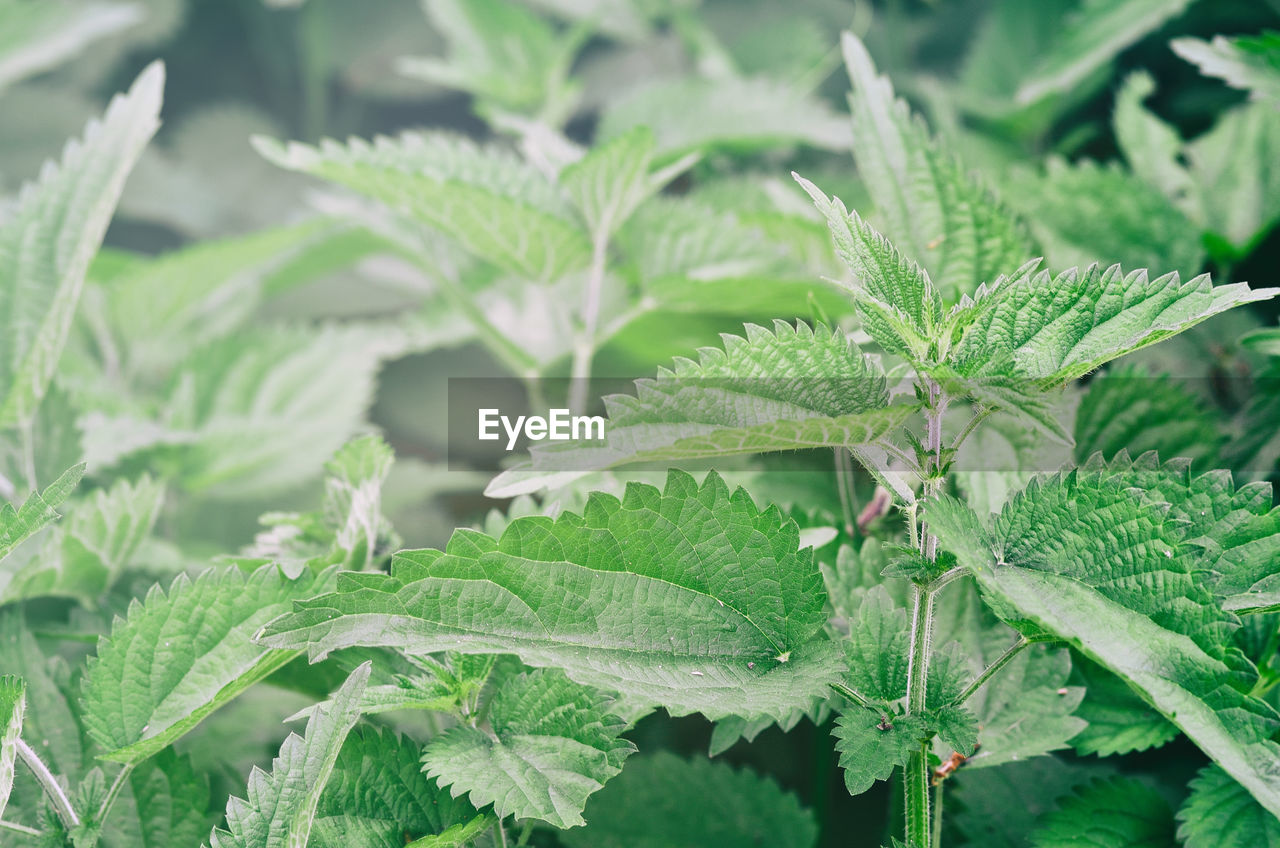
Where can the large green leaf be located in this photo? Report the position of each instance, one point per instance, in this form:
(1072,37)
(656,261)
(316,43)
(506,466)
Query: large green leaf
(378,796)
(659,596)
(649,806)
(927,205)
(1091,561)
(280,807)
(492,203)
(180,655)
(1219,813)
(549,745)
(1058,328)
(47,244)
(1115,813)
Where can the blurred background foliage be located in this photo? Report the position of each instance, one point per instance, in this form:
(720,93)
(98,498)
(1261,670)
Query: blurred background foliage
(245,319)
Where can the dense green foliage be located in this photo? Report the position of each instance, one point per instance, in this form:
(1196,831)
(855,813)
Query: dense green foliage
(881,545)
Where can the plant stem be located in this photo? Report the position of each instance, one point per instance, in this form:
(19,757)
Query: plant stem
(916,775)
(844,483)
(851,695)
(61,803)
(937,813)
(18,828)
(999,663)
(978,418)
(29,455)
(585,346)
(113,793)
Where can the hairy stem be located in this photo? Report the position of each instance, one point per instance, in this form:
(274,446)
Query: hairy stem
(970,426)
(916,776)
(852,695)
(61,803)
(18,828)
(999,663)
(585,345)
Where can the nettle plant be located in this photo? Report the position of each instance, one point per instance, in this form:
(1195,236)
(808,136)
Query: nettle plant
(995,615)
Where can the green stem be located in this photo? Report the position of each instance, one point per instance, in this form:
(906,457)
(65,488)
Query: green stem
(851,695)
(937,813)
(916,775)
(999,663)
(585,346)
(61,803)
(29,455)
(978,418)
(113,793)
(18,828)
(844,484)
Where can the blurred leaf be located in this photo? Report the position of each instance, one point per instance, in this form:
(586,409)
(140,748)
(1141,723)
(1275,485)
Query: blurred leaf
(38,36)
(1114,813)
(1250,62)
(13,702)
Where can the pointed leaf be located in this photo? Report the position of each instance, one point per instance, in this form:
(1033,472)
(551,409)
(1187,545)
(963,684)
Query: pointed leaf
(1115,813)
(1220,813)
(1250,62)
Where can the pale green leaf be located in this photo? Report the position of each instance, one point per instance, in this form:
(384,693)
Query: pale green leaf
(1220,813)
(1056,329)
(13,703)
(47,244)
(550,744)
(1130,409)
(280,807)
(379,797)
(1115,813)
(165,804)
(927,205)
(491,202)
(37,511)
(38,36)
(679,620)
(650,805)
(1236,176)
(180,655)
(1095,34)
(1080,556)
(1250,62)
(1152,147)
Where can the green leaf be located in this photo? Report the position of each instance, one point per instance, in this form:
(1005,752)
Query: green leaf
(733,114)
(183,654)
(1115,813)
(379,797)
(1220,813)
(872,744)
(166,804)
(896,299)
(492,203)
(1237,187)
(1099,30)
(655,596)
(648,806)
(13,702)
(1152,147)
(281,806)
(36,37)
(1119,720)
(878,647)
(48,242)
(37,511)
(1249,62)
(550,744)
(1056,329)
(353,497)
(500,52)
(50,723)
(610,181)
(1127,600)
(791,388)
(928,206)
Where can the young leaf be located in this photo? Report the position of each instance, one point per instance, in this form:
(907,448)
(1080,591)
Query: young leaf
(648,806)
(610,181)
(1099,30)
(878,647)
(1052,562)
(1250,62)
(13,702)
(492,203)
(1219,813)
(550,745)
(934,212)
(792,388)
(281,806)
(1115,813)
(36,512)
(379,797)
(47,244)
(873,743)
(656,596)
(180,655)
(1056,329)
(36,37)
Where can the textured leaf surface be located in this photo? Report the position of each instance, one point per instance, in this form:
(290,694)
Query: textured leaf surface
(1080,556)
(927,205)
(47,244)
(492,203)
(649,806)
(1250,62)
(180,655)
(1114,813)
(1056,329)
(1131,409)
(690,598)
(166,804)
(13,703)
(378,796)
(1119,720)
(36,512)
(1220,813)
(872,744)
(280,807)
(550,745)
